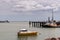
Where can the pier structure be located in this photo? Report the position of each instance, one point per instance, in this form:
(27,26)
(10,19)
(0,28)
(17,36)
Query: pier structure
(36,23)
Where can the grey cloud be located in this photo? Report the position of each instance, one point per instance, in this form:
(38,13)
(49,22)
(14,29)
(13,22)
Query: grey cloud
(27,5)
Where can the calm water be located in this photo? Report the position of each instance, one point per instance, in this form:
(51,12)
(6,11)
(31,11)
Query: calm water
(8,31)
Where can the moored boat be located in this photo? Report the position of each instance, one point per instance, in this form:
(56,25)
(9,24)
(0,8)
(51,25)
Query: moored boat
(24,32)
(53,25)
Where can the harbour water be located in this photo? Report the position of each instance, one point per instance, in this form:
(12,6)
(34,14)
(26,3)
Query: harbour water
(8,31)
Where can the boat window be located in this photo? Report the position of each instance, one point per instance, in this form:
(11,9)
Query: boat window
(23,30)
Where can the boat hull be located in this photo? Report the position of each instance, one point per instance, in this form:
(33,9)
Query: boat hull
(49,26)
(27,33)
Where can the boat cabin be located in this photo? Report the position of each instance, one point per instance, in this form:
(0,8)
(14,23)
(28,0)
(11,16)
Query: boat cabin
(23,30)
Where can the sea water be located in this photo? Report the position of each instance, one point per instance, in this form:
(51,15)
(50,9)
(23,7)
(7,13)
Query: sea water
(8,31)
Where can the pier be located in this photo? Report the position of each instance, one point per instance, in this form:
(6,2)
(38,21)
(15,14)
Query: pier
(36,23)
(41,23)
(6,21)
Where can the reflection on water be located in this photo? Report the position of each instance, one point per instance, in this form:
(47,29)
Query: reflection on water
(22,38)
(27,37)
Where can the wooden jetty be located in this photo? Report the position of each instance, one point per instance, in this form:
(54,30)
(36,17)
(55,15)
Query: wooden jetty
(41,23)
(36,23)
(6,21)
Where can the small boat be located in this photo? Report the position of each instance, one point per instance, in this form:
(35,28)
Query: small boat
(24,32)
(53,25)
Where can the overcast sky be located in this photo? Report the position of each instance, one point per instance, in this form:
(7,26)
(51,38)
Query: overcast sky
(25,10)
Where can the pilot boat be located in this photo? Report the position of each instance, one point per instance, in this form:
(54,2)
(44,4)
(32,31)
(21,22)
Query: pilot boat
(25,32)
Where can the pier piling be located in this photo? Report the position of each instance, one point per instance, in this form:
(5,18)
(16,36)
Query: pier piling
(36,23)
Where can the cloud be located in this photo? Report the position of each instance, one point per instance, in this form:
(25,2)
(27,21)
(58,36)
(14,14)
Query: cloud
(27,5)
(17,9)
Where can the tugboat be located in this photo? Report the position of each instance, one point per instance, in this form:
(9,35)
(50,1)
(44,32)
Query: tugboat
(51,23)
(25,32)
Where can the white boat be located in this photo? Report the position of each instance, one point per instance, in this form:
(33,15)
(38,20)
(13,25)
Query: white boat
(51,23)
(24,32)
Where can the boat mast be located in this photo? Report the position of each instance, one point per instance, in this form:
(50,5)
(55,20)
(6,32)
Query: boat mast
(52,15)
